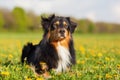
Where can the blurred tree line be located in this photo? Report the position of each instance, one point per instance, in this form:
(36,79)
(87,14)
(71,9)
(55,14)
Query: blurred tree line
(18,20)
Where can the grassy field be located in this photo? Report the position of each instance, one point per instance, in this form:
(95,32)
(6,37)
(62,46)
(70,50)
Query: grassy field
(98,57)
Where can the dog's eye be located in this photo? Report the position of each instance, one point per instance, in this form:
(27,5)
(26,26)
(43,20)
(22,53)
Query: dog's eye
(56,24)
(65,24)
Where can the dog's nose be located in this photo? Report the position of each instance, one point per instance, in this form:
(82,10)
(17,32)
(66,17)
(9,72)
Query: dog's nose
(62,31)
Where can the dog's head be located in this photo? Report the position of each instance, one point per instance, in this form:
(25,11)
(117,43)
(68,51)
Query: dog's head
(58,28)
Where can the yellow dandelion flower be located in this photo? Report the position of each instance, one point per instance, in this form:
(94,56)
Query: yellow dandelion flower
(108,76)
(82,62)
(10,56)
(5,73)
(79,73)
(99,55)
(27,66)
(82,49)
(78,61)
(107,58)
(115,75)
(40,78)
(28,79)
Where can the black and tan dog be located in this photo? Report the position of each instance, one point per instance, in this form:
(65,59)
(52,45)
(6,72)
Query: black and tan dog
(56,49)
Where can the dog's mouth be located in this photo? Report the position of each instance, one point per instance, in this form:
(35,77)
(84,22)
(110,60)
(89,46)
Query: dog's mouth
(57,37)
(61,36)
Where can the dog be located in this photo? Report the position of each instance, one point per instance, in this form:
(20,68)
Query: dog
(55,50)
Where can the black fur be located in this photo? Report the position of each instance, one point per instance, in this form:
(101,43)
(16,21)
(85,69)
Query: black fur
(44,51)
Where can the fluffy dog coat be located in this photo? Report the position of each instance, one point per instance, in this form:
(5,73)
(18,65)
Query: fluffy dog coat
(56,49)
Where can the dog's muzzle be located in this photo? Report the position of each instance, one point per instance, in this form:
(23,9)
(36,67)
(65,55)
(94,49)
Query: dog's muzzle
(62,33)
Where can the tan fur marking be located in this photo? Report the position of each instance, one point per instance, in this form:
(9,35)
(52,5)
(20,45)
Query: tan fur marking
(64,23)
(54,44)
(65,42)
(57,23)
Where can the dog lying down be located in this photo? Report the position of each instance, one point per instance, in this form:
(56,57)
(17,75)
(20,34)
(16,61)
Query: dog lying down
(55,50)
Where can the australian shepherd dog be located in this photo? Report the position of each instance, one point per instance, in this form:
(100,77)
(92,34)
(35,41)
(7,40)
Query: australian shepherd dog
(55,50)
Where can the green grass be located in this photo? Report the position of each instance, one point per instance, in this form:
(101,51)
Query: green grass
(98,57)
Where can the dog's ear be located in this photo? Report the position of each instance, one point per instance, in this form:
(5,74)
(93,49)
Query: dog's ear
(73,25)
(46,22)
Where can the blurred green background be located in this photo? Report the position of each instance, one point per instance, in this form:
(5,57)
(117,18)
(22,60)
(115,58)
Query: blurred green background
(96,39)
(19,20)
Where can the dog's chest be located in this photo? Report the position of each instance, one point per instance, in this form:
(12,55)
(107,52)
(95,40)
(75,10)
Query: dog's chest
(64,58)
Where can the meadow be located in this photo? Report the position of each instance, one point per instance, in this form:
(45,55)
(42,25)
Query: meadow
(97,57)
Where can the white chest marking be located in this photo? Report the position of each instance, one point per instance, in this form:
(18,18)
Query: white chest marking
(64,58)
